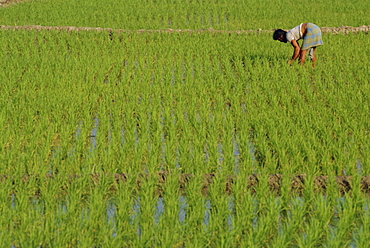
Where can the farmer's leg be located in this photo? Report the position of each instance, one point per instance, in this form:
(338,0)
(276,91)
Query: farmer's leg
(313,57)
(302,56)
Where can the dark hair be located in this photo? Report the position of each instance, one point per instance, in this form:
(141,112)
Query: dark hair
(278,33)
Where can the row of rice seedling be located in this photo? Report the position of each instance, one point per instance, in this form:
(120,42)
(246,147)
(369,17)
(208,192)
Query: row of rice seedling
(76,104)
(80,212)
(184,14)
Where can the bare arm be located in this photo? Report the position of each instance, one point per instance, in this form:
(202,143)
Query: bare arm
(297,49)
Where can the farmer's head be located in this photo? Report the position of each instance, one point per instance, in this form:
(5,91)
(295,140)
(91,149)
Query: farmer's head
(280,35)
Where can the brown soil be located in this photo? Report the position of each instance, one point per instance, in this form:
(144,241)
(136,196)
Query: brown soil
(335,30)
(296,184)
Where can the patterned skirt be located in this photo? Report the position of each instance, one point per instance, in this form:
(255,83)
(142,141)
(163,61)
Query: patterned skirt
(312,37)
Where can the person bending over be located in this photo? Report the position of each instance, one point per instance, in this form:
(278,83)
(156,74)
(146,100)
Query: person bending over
(311,35)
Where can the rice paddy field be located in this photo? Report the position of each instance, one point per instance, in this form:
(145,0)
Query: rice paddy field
(150,138)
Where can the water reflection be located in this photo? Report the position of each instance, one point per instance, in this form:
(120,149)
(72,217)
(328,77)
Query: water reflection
(286,210)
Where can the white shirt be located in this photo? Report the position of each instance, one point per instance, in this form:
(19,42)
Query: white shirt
(294,33)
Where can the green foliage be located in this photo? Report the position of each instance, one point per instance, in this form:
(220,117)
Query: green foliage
(99,129)
(186,14)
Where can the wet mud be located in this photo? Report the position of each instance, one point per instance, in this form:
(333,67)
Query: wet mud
(275,184)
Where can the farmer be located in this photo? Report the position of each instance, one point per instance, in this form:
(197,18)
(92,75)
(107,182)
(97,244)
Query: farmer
(311,35)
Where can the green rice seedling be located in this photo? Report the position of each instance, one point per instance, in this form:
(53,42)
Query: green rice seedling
(194,224)
(342,223)
(247,161)
(26,213)
(94,226)
(53,196)
(8,202)
(219,226)
(73,211)
(360,238)
(257,224)
(126,210)
(315,228)
(266,225)
(245,210)
(170,223)
(146,199)
(290,222)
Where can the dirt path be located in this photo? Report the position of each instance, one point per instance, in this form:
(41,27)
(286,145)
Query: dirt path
(334,30)
(6,3)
